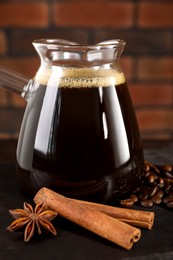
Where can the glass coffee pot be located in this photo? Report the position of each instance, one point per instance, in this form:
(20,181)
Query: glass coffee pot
(79,134)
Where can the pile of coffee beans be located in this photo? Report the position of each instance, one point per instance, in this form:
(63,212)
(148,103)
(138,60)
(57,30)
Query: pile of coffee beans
(156,187)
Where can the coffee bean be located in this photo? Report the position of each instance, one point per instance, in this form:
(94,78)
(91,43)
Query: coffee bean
(167,168)
(143,195)
(155,169)
(167,188)
(156,200)
(166,200)
(134,197)
(146,203)
(168,175)
(170,204)
(137,189)
(152,191)
(127,203)
(170,195)
(160,185)
(160,182)
(148,173)
(146,166)
(151,178)
(159,193)
(167,181)
(156,187)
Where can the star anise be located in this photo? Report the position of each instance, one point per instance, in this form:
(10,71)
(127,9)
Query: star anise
(30,218)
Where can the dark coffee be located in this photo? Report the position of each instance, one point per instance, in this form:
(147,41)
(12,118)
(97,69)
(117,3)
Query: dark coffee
(81,141)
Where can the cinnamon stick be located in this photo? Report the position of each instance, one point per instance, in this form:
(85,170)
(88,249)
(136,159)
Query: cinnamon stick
(103,225)
(137,218)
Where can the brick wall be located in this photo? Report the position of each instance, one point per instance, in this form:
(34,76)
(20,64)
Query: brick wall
(146,26)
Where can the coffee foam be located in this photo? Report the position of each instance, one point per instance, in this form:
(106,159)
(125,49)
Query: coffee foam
(80,77)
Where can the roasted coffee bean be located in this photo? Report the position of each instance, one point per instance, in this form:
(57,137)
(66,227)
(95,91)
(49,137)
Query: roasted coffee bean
(146,166)
(167,168)
(127,203)
(134,197)
(156,187)
(159,185)
(137,189)
(148,173)
(146,203)
(167,188)
(151,178)
(159,193)
(168,175)
(160,182)
(156,170)
(167,181)
(152,191)
(166,200)
(156,200)
(143,195)
(170,204)
(170,195)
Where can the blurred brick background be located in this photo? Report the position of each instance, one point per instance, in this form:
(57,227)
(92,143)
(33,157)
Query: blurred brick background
(147,61)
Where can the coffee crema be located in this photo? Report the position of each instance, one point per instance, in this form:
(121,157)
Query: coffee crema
(80,77)
(82,138)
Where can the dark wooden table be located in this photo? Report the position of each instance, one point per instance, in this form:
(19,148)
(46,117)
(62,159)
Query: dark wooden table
(72,241)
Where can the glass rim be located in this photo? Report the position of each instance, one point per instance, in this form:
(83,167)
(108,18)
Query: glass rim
(64,44)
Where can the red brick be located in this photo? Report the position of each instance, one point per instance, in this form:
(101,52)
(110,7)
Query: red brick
(155,68)
(24,65)
(91,14)
(3,97)
(24,14)
(144,94)
(8,136)
(139,41)
(17,101)
(11,99)
(21,39)
(127,64)
(3,43)
(10,121)
(156,135)
(155,14)
(155,119)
